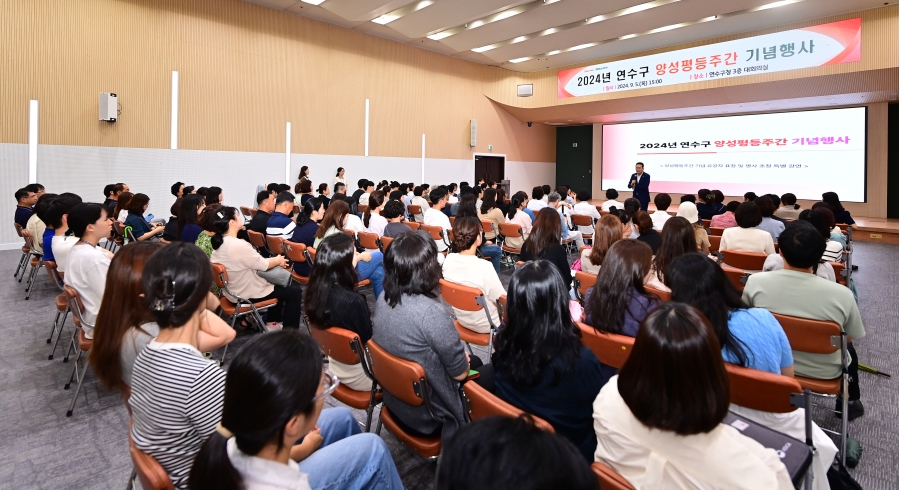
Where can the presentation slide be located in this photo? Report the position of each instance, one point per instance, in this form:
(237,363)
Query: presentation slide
(806,153)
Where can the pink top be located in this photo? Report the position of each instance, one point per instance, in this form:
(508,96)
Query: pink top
(724,220)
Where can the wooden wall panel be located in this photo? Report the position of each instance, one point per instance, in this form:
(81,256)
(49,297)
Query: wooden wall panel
(879,50)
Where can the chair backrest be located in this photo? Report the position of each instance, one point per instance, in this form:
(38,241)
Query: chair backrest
(716,231)
(29,240)
(435,231)
(403,379)
(294,251)
(585,280)
(582,220)
(483,403)
(461,297)
(386,242)
(609,479)
(736,276)
(368,240)
(744,260)
(812,336)
(414,210)
(257,239)
(362,207)
(714,241)
(349,233)
(706,223)
(612,349)
(274,244)
(53,271)
(296,209)
(414,225)
(220,275)
(245,211)
(663,295)
(149,471)
(74,300)
(253,212)
(487,226)
(839,271)
(760,390)
(19,229)
(338,343)
(511,230)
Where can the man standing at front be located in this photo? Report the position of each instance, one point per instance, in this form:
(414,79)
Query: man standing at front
(640,182)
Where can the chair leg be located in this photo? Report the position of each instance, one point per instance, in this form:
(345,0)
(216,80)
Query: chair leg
(23,271)
(378,426)
(59,334)
(23,262)
(131,479)
(80,376)
(72,346)
(31,280)
(369,417)
(53,327)
(845,399)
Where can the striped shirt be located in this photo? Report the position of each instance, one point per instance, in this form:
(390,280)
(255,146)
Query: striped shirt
(176,402)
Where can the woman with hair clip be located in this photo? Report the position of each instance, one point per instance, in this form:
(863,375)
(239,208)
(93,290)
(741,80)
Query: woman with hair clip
(242,263)
(518,214)
(124,325)
(630,207)
(369,264)
(618,302)
(661,427)
(304,190)
(749,337)
(176,393)
(121,211)
(468,206)
(274,396)
(189,217)
(372,219)
(706,208)
(678,238)
(410,322)
(339,177)
(467,269)
(608,230)
(332,301)
(719,204)
(543,243)
(539,361)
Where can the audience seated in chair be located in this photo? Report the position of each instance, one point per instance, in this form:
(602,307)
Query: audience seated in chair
(63,240)
(646,233)
(554,201)
(332,301)
(410,322)
(87,263)
(540,364)
(706,208)
(678,238)
(189,218)
(490,211)
(749,337)
(841,215)
(121,210)
(746,237)
(518,214)
(796,291)
(37,225)
(369,265)
(768,223)
(789,208)
(25,201)
(504,452)
(688,211)
(372,220)
(467,269)
(662,201)
(140,229)
(274,396)
(544,243)
(393,212)
(280,224)
(726,219)
(608,230)
(307,226)
(468,207)
(242,263)
(611,200)
(822,220)
(658,422)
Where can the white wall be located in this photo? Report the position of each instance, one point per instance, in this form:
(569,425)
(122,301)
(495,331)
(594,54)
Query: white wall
(85,170)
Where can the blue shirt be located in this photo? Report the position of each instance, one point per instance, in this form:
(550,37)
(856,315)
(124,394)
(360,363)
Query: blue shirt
(305,234)
(22,215)
(47,242)
(772,226)
(280,225)
(190,232)
(565,226)
(764,341)
(138,224)
(529,213)
(567,404)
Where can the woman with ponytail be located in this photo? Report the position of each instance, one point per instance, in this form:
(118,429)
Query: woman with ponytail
(518,214)
(176,393)
(243,262)
(274,394)
(372,219)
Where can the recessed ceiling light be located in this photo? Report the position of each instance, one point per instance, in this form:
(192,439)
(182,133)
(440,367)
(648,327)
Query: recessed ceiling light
(519,60)
(313,2)
(400,12)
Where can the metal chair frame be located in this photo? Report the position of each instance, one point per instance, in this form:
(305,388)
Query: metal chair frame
(77,309)
(32,274)
(61,315)
(482,301)
(26,252)
(253,312)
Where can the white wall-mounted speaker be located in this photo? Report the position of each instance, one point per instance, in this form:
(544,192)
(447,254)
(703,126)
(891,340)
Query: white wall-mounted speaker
(109,107)
(473,132)
(525,90)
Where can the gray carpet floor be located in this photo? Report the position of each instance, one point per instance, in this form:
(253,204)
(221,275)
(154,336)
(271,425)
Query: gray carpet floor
(42,448)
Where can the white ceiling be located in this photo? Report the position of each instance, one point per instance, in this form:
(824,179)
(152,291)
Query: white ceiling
(519,28)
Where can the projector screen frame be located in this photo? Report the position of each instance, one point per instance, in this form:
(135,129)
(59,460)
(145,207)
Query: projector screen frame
(719,116)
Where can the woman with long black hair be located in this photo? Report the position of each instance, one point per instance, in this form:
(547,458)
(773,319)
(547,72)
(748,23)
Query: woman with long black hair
(543,243)
(189,218)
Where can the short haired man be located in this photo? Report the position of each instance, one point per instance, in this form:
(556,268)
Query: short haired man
(662,201)
(393,212)
(554,201)
(280,224)
(546,189)
(420,200)
(178,189)
(583,207)
(88,263)
(362,184)
(796,291)
(611,200)
(364,197)
(434,216)
(339,188)
(38,189)
(265,203)
(537,201)
(25,201)
(453,198)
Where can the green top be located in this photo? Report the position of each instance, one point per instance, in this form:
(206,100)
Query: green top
(330,231)
(806,295)
(203,241)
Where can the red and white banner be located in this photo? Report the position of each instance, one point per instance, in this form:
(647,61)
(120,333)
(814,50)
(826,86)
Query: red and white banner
(825,44)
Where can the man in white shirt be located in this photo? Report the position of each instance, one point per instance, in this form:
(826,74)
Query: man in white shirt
(611,196)
(537,203)
(419,199)
(433,216)
(662,201)
(87,263)
(553,201)
(452,198)
(364,197)
(582,206)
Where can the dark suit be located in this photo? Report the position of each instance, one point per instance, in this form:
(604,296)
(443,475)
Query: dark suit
(641,188)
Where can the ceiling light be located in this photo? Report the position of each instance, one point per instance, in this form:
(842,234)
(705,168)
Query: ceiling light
(400,12)
(774,4)
(581,46)
(628,36)
(482,49)
(438,36)
(504,14)
(519,60)
(313,2)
